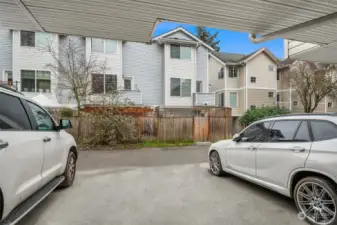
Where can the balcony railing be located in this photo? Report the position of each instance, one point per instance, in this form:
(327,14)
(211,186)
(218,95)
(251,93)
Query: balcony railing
(204,99)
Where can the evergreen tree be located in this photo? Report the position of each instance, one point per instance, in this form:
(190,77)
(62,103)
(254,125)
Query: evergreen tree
(210,39)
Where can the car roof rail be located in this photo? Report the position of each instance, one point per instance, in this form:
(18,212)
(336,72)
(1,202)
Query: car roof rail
(10,89)
(303,114)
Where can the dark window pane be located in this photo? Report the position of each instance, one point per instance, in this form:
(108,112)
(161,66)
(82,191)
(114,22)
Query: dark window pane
(13,115)
(186,87)
(303,132)
(284,130)
(253,79)
(27,38)
(43,120)
(175,51)
(43,81)
(127,84)
(199,86)
(97,83)
(175,86)
(257,132)
(323,130)
(271,94)
(110,83)
(28,80)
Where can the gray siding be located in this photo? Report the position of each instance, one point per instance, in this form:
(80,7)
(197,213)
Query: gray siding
(202,60)
(144,62)
(179,35)
(204,99)
(5,50)
(133,96)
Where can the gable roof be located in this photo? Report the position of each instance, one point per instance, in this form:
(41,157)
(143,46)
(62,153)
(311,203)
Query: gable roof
(241,58)
(181,29)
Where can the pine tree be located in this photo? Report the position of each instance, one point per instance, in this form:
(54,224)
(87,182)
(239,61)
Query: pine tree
(210,39)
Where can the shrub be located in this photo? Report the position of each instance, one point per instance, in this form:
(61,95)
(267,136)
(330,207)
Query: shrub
(66,113)
(255,114)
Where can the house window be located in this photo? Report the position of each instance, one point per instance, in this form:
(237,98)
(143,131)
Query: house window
(253,79)
(33,81)
(221,99)
(27,38)
(180,87)
(103,46)
(32,39)
(199,86)
(221,73)
(278,76)
(127,84)
(329,104)
(180,52)
(9,77)
(233,101)
(103,83)
(253,107)
(233,71)
(295,103)
(271,94)
(271,68)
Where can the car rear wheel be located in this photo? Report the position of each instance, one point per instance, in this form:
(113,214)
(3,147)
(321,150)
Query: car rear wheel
(316,199)
(70,171)
(215,164)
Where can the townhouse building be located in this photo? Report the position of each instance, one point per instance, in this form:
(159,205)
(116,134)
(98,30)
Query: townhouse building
(171,71)
(243,81)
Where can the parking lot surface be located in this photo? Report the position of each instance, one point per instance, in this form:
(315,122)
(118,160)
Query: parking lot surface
(159,186)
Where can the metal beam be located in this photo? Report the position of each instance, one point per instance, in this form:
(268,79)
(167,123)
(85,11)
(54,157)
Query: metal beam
(321,21)
(29,14)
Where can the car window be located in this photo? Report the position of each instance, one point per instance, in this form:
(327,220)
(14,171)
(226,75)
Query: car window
(303,132)
(43,120)
(13,116)
(284,130)
(323,130)
(256,132)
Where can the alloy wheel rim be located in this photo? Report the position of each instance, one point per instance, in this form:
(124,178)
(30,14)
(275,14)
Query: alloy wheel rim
(71,167)
(215,163)
(316,203)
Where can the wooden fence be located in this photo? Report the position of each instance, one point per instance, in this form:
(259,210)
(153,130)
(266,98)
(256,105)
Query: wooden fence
(171,128)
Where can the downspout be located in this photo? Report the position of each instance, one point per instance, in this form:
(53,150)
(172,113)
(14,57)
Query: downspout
(320,21)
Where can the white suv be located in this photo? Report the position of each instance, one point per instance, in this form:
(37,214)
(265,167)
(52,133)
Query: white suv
(295,155)
(36,155)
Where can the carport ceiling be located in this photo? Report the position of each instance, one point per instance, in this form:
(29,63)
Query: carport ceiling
(134,20)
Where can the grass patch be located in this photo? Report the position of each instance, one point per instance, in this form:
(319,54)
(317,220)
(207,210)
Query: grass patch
(163,144)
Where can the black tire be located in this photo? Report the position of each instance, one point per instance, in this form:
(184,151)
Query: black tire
(70,172)
(316,199)
(215,165)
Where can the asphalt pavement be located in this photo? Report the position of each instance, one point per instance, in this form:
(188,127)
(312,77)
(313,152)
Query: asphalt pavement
(159,186)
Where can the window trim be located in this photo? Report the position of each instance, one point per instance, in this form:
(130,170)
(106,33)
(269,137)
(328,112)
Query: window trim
(312,133)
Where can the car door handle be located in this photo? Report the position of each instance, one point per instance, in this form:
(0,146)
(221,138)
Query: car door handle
(46,139)
(253,148)
(297,149)
(3,144)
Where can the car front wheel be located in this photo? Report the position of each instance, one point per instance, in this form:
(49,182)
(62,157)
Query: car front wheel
(70,172)
(215,164)
(316,200)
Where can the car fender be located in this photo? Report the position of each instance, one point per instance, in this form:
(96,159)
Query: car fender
(68,143)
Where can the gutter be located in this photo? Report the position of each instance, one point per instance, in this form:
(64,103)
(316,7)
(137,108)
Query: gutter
(308,25)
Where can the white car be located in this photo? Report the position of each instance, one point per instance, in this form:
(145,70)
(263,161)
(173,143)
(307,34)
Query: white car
(36,155)
(294,155)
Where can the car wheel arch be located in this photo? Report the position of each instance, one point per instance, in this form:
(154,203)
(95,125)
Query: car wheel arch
(74,150)
(297,175)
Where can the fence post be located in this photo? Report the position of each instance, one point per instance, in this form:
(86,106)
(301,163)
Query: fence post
(139,128)
(158,128)
(226,127)
(193,127)
(209,128)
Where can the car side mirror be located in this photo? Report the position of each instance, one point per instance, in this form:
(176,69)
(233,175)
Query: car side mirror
(65,124)
(236,137)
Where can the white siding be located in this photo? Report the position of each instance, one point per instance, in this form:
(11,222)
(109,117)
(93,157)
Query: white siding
(202,61)
(204,99)
(133,96)
(30,58)
(179,35)
(113,60)
(5,51)
(213,73)
(145,63)
(179,68)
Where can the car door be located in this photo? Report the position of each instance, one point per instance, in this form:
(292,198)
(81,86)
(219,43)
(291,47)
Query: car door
(240,155)
(287,149)
(21,152)
(45,127)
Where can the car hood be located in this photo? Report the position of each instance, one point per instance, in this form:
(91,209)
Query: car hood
(221,144)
